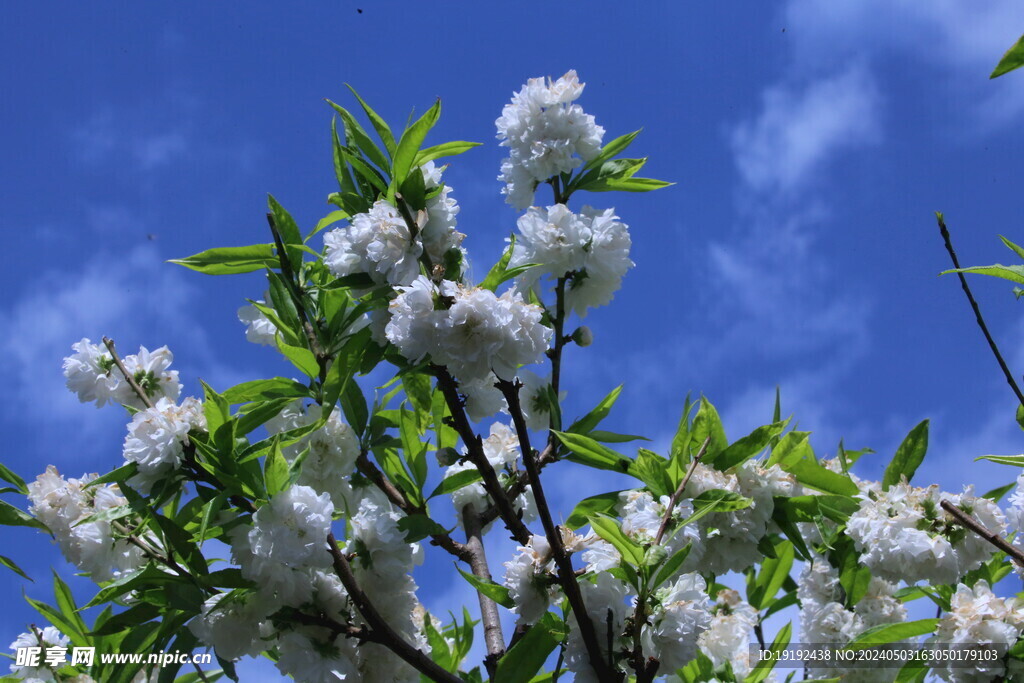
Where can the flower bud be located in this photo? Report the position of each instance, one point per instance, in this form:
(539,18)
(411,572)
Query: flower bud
(655,555)
(447,456)
(583,336)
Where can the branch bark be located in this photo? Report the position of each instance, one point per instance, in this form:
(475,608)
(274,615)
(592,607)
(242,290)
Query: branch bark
(566,574)
(968,522)
(493,636)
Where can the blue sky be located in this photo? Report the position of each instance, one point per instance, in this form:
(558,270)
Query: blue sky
(810,143)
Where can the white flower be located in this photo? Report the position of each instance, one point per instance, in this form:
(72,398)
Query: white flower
(380,546)
(91,373)
(50,637)
(156,437)
(230,623)
(606,261)
(291,530)
(479,332)
(377,243)
(529,579)
(978,619)
(534,400)
(728,634)
(62,505)
(605,599)
(553,238)
(333,451)
(259,329)
(682,615)
(88,373)
(483,398)
(501,448)
(904,534)
(317,659)
(544,132)
(439,234)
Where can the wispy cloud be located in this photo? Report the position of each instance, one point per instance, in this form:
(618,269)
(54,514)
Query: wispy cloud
(800,128)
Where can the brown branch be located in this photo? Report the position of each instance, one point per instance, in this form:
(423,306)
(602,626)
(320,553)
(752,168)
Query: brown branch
(493,636)
(977,311)
(394,642)
(474,445)
(566,574)
(968,522)
(146,401)
(674,498)
(519,484)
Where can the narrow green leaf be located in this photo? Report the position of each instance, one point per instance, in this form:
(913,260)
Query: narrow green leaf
(587,451)
(494,591)
(275,470)
(527,656)
(765,666)
(908,456)
(12,516)
(1012,460)
(446,149)
(302,358)
(496,275)
(1011,273)
(230,260)
(672,565)
(458,481)
(378,123)
(278,387)
(588,422)
(716,500)
(771,576)
(891,633)
(12,565)
(410,143)
(12,478)
(603,503)
(613,148)
(1013,59)
(747,447)
(608,529)
(355,133)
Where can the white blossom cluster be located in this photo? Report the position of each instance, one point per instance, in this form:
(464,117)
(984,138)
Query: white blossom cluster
(381,243)
(546,135)
(727,637)
(45,638)
(731,538)
(156,439)
(63,505)
(91,373)
(591,247)
(605,598)
(478,332)
(530,577)
(682,616)
(501,448)
(484,399)
(979,619)
(904,534)
(333,450)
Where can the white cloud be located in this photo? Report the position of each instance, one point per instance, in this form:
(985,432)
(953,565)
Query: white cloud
(800,128)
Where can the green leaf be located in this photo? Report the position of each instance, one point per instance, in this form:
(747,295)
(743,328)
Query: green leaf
(353,404)
(288,230)
(527,656)
(446,149)
(791,448)
(716,500)
(12,516)
(1016,248)
(765,666)
(587,451)
(626,185)
(603,503)
(12,478)
(458,481)
(914,671)
(613,148)
(414,449)
(908,456)
(1013,460)
(811,474)
(66,605)
(409,145)
(747,447)
(378,123)
(355,133)
(891,633)
(706,424)
(301,357)
(1013,59)
(608,529)
(418,527)
(997,493)
(494,591)
(1011,273)
(417,390)
(278,387)
(771,576)
(275,470)
(672,565)
(496,275)
(330,219)
(588,422)
(12,565)
(652,470)
(339,375)
(612,437)
(231,260)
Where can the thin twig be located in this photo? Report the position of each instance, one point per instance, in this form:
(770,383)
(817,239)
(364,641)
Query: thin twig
(520,532)
(146,401)
(493,636)
(965,520)
(977,311)
(563,562)
(674,498)
(378,625)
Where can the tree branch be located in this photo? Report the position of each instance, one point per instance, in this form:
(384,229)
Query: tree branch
(146,401)
(674,498)
(492,485)
(968,522)
(493,636)
(566,574)
(977,311)
(394,642)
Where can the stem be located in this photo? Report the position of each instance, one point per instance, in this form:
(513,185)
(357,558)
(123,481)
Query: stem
(968,522)
(679,491)
(382,630)
(977,311)
(488,608)
(566,574)
(146,401)
(492,485)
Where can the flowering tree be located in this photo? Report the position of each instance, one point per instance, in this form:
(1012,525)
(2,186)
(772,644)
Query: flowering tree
(316,493)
